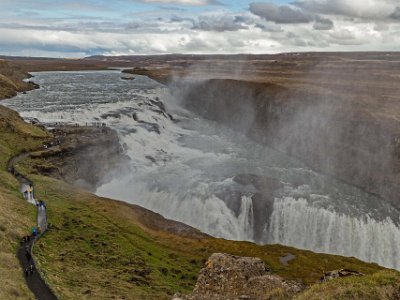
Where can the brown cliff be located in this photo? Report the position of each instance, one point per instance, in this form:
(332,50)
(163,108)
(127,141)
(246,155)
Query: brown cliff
(355,139)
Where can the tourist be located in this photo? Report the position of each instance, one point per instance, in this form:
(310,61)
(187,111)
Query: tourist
(31,268)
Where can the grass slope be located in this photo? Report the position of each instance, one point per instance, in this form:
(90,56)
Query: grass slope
(11,80)
(16,216)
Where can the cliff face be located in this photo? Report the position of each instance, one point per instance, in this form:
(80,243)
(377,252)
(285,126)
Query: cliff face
(84,156)
(353,137)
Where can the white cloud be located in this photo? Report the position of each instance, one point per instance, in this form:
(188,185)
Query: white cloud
(279,14)
(314,25)
(369,9)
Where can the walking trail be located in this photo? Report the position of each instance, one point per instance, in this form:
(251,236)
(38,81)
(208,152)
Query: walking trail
(33,279)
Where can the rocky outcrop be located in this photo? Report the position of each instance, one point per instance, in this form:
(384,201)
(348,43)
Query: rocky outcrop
(231,277)
(84,156)
(339,274)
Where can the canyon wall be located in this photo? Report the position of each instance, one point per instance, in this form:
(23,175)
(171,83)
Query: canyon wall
(354,138)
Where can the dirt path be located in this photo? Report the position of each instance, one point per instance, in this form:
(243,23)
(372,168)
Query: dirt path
(33,279)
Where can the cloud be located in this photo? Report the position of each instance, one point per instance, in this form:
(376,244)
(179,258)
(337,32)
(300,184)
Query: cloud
(322,23)
(396,14)
(280,14)
(219,23)
(184,2)
(308,25)
(365,9)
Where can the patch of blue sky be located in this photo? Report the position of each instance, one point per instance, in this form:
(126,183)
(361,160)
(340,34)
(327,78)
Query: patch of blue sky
(105,9)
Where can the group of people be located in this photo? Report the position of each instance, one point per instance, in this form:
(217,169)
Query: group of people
(29,270)
(28,193)
(25,239)
(41,204)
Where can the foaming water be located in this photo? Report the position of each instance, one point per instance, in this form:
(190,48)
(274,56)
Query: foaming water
(183,167)
(295,223)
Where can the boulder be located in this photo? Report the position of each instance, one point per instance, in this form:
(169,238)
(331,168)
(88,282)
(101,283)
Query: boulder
(231,277)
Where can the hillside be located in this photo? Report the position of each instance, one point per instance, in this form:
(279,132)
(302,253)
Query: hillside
(16,216)
(12,80)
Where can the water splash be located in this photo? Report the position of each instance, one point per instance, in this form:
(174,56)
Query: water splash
(296,223)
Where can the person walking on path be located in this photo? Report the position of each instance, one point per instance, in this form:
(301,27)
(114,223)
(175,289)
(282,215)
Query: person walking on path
(30,192)
(31,269)
(34,232)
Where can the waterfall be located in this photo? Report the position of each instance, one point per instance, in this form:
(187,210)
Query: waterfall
(183,168)
(296,223)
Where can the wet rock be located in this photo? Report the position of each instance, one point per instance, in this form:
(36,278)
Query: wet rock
(152,159)
(230,277)
(76,159)
(339,274)
(158,103)
(127,77)
(115,115)
(285,260)
(262,201)
(261,183)
(150,127)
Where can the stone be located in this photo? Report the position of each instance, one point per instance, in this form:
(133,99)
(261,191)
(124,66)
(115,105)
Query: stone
(338,274)
(231,277)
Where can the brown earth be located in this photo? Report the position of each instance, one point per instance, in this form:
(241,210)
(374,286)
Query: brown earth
(11,80)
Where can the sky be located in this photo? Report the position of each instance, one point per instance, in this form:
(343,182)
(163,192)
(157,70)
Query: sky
(69,28)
